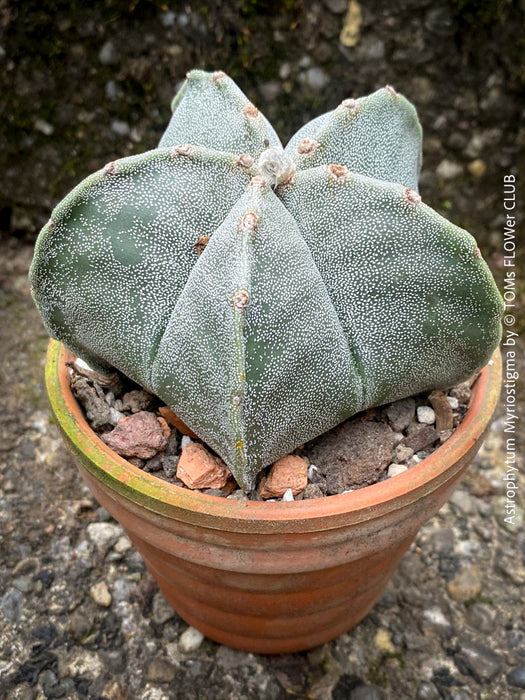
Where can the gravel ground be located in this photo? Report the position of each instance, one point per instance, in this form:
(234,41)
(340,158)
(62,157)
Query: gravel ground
(79,615)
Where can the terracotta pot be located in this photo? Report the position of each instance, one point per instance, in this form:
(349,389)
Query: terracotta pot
(270,577)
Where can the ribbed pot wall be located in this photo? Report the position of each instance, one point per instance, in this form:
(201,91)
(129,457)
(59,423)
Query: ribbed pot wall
(271,577)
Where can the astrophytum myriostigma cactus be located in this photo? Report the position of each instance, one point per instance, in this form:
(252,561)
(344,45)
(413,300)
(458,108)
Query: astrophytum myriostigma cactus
(266,294)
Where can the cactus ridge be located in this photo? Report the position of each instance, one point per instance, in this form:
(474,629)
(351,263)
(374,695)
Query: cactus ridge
(210,110)
(378,135)
(266,294)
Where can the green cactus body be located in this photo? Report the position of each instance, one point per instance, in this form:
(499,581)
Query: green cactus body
(326,286)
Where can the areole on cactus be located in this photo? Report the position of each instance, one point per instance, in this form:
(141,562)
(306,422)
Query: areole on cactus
(267,294)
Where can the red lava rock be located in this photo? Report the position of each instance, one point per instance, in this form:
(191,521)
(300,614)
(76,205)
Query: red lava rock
(198,469)
(139,435)
(172,418)
(290,472)
(443,411)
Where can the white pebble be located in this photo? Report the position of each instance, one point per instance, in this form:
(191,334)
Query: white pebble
(288,495)
(190,640)
(453,401)
(312,471)
(395,469)
(83,365)
(425,414)
(186,440)
(115,416)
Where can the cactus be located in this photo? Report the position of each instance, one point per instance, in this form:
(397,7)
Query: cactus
(267,294)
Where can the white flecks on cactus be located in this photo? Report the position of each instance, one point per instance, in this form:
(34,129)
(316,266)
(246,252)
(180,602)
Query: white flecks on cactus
(121,249)
(211,111)
(265,305)
(379,136)
(408,291)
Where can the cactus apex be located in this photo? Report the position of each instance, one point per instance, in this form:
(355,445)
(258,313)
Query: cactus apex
(391,90)
(307,145)
(339,173)
(276,166)
(412,196)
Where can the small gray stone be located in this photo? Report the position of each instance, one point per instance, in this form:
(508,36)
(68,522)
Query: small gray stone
(190,640)
(98,413)
(169,464)
(481,617)
(107,54)
(103,535)
(23,583)
(427,691)
(426,415)
(111,90)
(314,491)
(453,401)
(137,399)
(271,90)
(483,663)
(121,589)
(400,413)
(338,7)
(367,692)
(230,659)
(44,127)
(395,469)
(448,170)
(154,464)
(353,454)
(119,127)
(285,70)
(316,78)
(462,501)
(435,619)
(161,612)
(402,453)
(516,677)
(11,604)
(167,19)
(160,671)
(420,437)
(442,541)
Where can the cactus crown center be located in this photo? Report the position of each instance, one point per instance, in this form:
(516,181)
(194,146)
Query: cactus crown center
(276,166)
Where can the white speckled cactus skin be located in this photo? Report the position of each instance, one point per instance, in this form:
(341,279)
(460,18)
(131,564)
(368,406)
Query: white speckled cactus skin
(326,286)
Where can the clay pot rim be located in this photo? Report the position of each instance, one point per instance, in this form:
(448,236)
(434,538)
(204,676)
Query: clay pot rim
(169,500)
